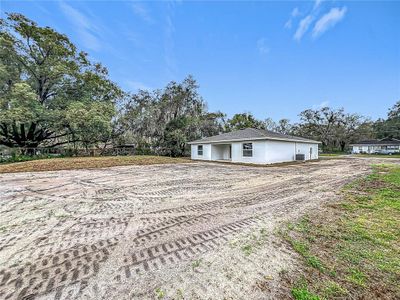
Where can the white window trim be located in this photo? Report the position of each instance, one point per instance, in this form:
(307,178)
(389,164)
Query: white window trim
(252,150)
(198,150)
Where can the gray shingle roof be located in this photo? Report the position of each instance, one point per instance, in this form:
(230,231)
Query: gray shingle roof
(381,142)
(250,134)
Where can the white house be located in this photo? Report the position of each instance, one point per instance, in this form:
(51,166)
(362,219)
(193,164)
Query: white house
(382,146)
(254,146)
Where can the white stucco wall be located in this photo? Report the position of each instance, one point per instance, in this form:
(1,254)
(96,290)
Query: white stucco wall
(264,152)
(282,151)
(206,152)
(304,148)
(279,151)
(259,152)
(373,148)
(360,149)
(365,149)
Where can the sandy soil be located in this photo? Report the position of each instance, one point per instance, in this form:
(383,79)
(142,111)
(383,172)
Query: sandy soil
(189,231)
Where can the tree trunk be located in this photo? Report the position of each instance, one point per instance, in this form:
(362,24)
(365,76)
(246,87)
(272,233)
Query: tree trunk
(342,146)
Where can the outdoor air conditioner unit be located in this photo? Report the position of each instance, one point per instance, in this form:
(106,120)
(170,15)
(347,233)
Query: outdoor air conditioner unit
(300,157)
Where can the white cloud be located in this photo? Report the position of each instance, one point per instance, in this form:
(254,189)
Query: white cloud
(295,12)
(141,11)
(288,24)
(303,27)
(328,20)
(262,46)
(169,42)
(86,30)
(317,3)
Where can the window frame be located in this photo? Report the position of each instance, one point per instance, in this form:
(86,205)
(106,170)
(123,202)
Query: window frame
(200,151)
(392,147)
(248,150)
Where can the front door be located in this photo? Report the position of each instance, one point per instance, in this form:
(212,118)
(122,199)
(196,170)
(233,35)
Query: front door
(310,152)
(230,151)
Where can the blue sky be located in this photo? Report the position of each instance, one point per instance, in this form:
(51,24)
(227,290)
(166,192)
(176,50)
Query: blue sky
(273,59)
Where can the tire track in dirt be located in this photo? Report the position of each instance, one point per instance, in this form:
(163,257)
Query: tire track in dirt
(99,233)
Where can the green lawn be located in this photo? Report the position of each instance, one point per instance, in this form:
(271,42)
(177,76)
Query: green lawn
(331,154)
(378,155)
(360,155)
(352,249)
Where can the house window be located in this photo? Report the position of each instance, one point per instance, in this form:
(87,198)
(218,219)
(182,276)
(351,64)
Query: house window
(200,150)
(248,149)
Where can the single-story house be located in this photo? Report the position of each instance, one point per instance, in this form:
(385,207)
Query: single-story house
(254,146)
(382,146)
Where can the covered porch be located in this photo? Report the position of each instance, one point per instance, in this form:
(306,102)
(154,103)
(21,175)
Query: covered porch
(221,152)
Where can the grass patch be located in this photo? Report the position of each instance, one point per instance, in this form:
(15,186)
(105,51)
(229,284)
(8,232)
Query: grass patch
(303,294)
(250,242)
(301,291)
(352,248)
(357,277)
(303,248)
(247,249)
(331,154)
(254,241)
(21,158)
(196,263)
(331,289)
(73,163)
(378,155)
(160,294)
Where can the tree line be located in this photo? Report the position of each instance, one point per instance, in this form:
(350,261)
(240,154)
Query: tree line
(52,95)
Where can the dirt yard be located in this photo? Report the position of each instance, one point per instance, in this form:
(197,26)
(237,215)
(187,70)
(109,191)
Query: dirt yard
(181,231)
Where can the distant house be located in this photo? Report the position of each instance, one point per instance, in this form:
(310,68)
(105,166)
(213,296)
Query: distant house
(382,146)
(254,146)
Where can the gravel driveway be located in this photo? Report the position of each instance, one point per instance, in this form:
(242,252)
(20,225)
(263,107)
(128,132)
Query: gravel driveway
(192,231)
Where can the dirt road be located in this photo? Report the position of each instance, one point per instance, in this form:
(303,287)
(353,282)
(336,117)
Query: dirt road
(189,231)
